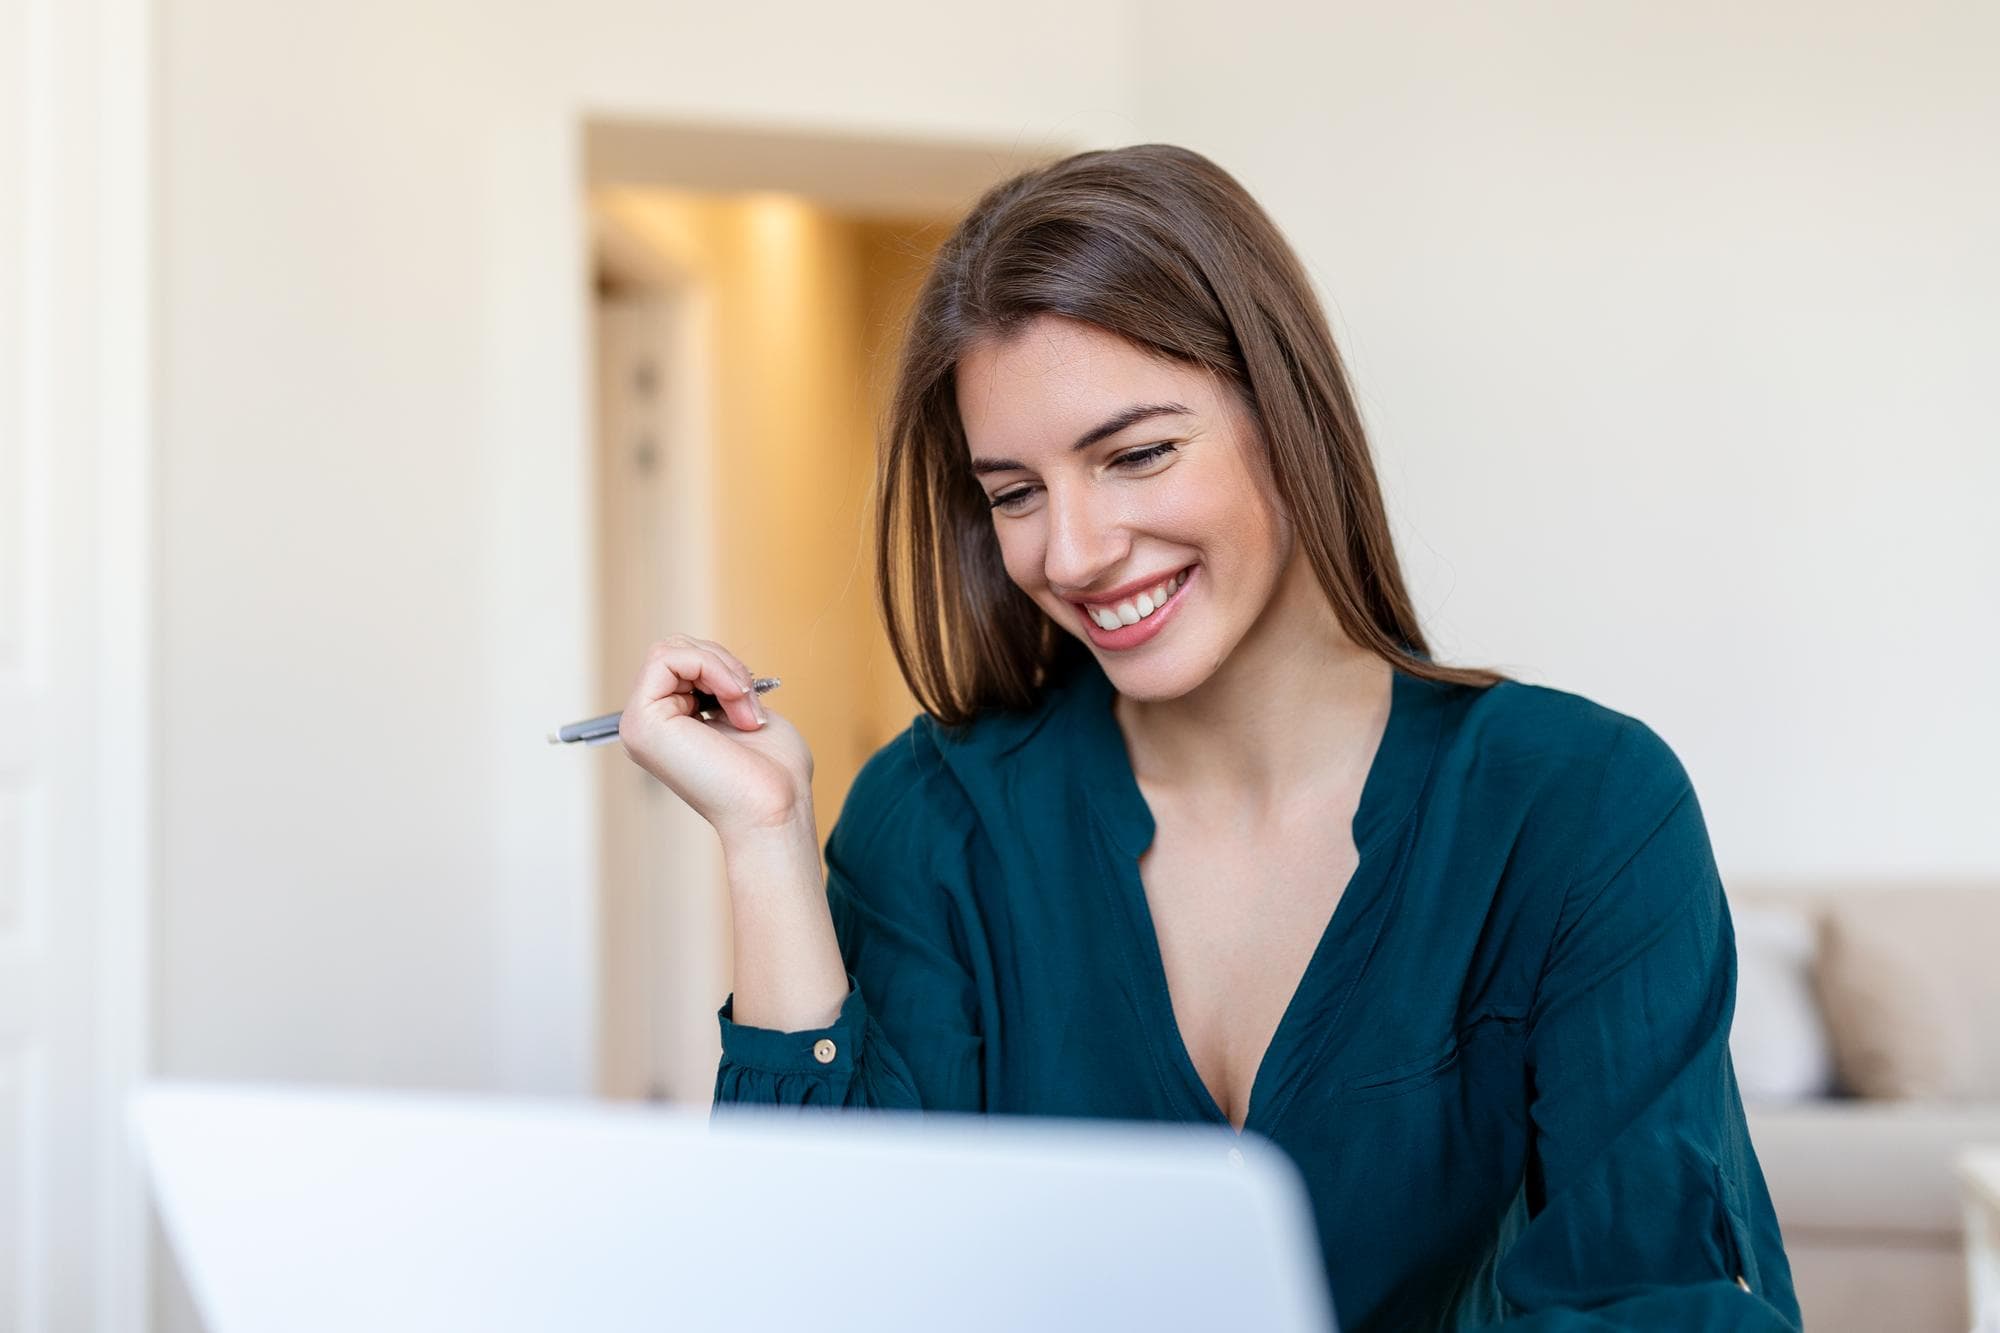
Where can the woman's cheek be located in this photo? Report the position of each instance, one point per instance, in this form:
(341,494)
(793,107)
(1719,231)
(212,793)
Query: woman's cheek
(1020,566)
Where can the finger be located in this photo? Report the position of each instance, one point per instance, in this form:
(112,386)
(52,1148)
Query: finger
(738,701)
(751,717)
(675,667)
(736,704)
(657,677)
(728,657)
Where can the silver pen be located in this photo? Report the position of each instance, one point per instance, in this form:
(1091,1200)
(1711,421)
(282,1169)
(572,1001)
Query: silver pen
(603,730)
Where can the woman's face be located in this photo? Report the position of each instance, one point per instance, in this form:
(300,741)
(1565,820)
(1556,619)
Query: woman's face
(1114,473)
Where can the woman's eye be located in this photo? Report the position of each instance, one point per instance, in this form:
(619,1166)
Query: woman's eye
(1009,501)
(1141,456)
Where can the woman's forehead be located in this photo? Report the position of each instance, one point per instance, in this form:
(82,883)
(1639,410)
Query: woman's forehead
(1050,382)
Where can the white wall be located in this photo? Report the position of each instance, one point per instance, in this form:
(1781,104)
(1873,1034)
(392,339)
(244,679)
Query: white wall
(1677,327)
(374,582)
(1669,324)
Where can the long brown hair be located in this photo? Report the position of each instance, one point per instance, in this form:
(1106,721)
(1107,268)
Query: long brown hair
(1161,246)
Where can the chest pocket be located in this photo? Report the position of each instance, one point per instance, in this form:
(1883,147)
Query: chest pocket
(1420,1071)
(1408,1076)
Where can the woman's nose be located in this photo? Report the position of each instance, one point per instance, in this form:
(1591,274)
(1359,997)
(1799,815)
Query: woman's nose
(1087,537)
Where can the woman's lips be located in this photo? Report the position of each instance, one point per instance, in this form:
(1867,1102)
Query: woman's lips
(1131,636)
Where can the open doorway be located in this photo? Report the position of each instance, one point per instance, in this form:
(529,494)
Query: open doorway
(749,301)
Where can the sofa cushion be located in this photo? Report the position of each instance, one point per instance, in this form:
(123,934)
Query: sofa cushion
(1868,1169)
(1778,1042)
(1909,981)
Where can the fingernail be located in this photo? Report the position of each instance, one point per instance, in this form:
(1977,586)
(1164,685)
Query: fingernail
(762,716)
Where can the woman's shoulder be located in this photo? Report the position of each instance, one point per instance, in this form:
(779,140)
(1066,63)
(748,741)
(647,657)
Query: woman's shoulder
(907,775)
(931,768)
(927,749)
(904,826)
(1541,735)
(1589,784)
(939,785)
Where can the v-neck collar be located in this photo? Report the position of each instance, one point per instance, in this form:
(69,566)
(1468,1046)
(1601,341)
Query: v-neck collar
(1395,781)
(1395,777)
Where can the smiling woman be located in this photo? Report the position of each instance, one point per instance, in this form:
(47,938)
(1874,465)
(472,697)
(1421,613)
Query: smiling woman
(1147,283)
(1193,829)
(1103,528)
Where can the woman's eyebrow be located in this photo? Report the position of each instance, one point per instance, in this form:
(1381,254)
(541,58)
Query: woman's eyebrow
(1104,429)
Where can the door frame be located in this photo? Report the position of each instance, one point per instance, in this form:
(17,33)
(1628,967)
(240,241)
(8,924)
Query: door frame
(658,861)
(126,505)
(87,441)
(859,175)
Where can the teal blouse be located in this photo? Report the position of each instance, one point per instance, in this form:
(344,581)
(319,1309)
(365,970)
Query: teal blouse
(1504,1075)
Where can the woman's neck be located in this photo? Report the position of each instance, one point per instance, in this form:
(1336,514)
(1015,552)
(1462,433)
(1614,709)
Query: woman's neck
(1296,707)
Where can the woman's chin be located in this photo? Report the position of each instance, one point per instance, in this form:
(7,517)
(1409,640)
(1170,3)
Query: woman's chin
(1152,681)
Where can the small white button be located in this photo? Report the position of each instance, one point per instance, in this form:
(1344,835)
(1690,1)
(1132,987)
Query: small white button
(823,1051)
(1236,1157)
(1741,1283)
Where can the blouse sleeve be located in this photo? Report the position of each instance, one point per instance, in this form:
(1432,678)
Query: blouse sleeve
(1646,1206)
(908,1035)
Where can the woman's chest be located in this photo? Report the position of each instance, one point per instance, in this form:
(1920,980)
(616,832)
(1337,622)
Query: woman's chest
(1209,965)
(1238,917)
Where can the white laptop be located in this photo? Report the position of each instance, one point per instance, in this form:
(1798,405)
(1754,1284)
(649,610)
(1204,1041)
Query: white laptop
(303,1210)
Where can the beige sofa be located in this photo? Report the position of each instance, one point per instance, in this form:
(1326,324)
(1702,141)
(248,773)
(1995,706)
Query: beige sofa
(1867,1042)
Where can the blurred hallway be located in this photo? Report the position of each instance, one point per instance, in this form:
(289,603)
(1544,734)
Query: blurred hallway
(745,348)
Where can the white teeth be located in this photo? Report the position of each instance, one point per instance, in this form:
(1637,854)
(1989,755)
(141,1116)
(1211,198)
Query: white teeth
(1137,609)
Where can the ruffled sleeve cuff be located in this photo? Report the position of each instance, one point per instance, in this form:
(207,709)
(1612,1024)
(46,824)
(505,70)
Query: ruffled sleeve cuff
(813,1051)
